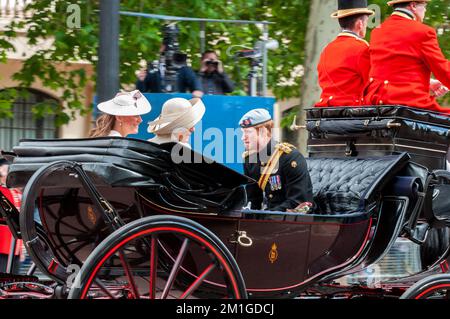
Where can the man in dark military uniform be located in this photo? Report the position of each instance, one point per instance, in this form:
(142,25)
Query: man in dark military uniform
(279,168)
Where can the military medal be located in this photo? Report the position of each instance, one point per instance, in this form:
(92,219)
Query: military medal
(275,183)
(272,182)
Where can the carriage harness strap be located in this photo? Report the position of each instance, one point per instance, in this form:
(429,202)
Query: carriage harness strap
(280,148)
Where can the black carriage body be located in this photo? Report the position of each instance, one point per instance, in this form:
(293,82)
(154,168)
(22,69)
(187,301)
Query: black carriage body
(351,228)
(348,132)
(379,131)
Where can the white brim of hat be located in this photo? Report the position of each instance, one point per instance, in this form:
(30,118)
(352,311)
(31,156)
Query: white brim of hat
(186,120)
(349,12)
(390,3)
(140,107)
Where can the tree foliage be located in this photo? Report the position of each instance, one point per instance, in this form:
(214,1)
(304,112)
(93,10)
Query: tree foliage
(140,39)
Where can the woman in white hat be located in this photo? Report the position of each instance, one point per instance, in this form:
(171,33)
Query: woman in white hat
(122,115)
(177,120)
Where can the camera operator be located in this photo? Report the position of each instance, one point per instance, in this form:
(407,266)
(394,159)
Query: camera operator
(152,80)
(212,77)
(170,73)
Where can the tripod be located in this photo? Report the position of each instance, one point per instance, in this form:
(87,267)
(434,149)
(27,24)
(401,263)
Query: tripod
(254,80)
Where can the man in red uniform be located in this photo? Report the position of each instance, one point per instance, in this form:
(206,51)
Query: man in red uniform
(344,63)
(403,54)
(14,196)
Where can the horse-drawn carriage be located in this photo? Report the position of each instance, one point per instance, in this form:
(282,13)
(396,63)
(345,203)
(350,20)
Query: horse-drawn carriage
(118,218)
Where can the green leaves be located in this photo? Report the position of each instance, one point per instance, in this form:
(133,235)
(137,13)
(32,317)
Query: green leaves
(7,98)
(140,39)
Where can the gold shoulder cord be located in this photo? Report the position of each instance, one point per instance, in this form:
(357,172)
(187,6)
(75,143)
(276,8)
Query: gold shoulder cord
(273,161)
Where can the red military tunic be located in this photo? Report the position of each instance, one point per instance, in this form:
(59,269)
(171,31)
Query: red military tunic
(343,71)
(403,54)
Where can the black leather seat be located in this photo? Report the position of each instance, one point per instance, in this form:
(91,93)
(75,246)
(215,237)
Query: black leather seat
(348,185)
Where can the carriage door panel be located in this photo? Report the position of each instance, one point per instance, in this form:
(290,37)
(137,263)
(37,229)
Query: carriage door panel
(335,245)
(222,228)
(276,257)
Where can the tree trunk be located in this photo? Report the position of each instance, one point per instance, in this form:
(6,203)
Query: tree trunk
(322,29)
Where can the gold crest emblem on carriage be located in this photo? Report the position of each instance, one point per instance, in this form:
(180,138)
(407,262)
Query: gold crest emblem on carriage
(91,215)
(273,254)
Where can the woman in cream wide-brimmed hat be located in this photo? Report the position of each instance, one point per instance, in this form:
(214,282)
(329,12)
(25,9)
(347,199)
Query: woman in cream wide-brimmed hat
(177,120)
(122,115)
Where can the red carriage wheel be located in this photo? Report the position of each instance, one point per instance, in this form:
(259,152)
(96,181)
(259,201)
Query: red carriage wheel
(432,287)
(160,257)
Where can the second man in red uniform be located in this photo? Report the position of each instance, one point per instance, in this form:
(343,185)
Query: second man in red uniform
(404,53)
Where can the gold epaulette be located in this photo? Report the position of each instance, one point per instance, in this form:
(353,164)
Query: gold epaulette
(285,147)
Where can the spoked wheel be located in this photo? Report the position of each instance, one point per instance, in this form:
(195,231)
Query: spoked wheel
(432,287)
(160,257)
(52,257)
(38,244)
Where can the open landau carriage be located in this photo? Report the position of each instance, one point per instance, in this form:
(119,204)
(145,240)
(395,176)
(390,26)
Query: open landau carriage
(141,226)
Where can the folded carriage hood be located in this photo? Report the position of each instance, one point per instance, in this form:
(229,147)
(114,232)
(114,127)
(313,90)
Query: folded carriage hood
(119,162)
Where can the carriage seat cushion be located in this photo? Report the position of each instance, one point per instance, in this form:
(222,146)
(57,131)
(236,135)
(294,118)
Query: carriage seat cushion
(343,185)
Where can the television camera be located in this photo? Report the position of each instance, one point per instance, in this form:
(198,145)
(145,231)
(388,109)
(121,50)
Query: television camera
(171,59)
(255,57)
